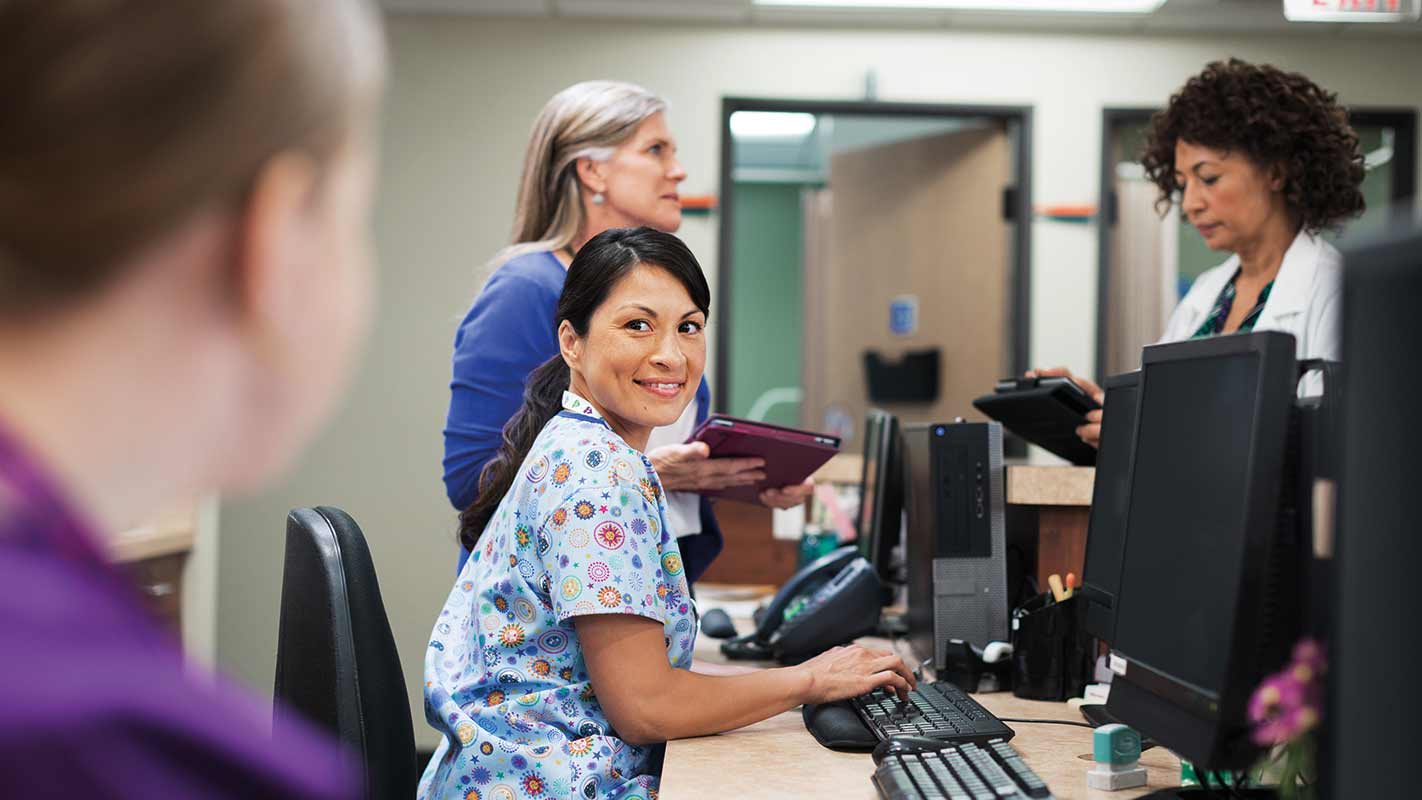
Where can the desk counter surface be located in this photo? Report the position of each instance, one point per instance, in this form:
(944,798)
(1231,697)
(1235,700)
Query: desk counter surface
(1027,484)
(170,532)
(779,758)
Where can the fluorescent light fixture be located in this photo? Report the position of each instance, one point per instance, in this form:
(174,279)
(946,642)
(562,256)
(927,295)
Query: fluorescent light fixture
(1065,6)
(771,124)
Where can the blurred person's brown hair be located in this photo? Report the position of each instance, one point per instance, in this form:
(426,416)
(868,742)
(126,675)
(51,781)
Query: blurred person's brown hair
(122,119)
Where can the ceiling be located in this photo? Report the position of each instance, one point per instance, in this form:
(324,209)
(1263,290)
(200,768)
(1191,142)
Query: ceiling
(1175,16)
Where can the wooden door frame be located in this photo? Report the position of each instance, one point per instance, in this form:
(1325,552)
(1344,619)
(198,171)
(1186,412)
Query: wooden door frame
(1017,205)
(1106,216)
(1403,190)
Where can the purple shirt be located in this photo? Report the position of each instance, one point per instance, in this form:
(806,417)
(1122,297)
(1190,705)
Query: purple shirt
(94,697)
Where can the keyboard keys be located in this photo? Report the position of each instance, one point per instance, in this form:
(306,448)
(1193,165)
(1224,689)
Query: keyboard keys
(894,782)
(1034,785)
(928,787)
(993,771)
(947,783)
(940,710)
(992,774)
(965,773)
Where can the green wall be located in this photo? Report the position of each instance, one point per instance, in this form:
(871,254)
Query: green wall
(764,329)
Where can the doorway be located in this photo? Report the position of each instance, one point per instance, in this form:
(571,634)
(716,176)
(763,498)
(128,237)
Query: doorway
(861,241)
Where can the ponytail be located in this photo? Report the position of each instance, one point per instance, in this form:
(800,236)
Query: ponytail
(542,400)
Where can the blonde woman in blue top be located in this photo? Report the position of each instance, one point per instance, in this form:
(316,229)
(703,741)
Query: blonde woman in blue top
(563,656)
(601,155)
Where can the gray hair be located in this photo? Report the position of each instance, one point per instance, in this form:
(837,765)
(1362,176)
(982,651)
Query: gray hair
(585,120)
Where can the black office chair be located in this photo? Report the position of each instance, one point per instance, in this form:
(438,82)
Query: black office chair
(336,658)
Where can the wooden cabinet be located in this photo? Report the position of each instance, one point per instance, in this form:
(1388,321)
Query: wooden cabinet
(160,580)
(1056,503)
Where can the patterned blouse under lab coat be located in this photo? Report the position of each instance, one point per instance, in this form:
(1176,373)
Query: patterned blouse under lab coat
(581,531)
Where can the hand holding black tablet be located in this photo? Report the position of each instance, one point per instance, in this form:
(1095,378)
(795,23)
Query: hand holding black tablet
(1044,411)
(791,455)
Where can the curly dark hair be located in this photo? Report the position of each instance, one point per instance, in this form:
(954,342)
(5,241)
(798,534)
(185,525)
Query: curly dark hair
(1273,117)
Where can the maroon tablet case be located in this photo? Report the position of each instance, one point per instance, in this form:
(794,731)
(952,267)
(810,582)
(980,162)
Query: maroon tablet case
(790,455)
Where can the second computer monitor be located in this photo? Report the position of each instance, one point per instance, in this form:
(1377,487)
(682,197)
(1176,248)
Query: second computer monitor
(1197,620)
(882,496)
(1110,502)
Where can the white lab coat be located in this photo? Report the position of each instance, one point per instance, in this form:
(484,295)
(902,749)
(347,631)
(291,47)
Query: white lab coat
(1305,301)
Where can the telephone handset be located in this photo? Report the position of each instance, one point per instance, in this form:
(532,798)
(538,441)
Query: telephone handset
(832,600)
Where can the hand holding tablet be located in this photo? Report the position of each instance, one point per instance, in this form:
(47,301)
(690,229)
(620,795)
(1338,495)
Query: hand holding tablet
(1049,409)
(790,455)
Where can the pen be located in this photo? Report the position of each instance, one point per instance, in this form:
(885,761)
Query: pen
(1055,581)
(1071,584)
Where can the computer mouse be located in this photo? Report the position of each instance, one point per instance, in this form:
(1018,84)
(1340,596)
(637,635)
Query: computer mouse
(905,745)
(717,624)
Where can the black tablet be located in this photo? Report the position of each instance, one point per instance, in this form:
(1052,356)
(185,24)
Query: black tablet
(1045,412)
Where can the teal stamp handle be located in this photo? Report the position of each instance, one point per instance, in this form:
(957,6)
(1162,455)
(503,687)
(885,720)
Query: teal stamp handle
(1116,744)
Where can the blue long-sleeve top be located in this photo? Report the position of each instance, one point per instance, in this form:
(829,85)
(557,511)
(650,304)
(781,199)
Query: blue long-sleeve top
(509,331)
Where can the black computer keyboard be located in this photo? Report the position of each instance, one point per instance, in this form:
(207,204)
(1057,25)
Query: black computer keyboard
(991,771)
(937,710)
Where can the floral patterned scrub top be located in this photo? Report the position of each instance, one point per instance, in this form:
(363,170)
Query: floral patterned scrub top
(581,531)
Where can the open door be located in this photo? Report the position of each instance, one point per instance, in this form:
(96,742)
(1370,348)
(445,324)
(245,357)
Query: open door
(916,226)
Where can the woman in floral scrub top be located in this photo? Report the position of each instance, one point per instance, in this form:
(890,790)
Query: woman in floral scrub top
(582,532)
(562,659)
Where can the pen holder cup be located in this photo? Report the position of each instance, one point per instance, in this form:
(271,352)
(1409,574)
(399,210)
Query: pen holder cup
(1052,654)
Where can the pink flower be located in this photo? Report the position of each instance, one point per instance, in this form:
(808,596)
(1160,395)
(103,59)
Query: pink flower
(1302,720)
(1288,702)
(1309,653)
(1274,732)
(1264,702)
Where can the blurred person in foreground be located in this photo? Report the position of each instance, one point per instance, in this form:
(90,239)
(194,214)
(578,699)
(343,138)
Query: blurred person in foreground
(184,277)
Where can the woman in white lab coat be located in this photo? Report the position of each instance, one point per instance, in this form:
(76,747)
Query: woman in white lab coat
(1261,162)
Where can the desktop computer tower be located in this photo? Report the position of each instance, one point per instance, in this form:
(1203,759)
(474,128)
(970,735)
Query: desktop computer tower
(956,539)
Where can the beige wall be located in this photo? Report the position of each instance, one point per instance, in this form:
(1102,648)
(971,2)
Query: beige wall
(463,94)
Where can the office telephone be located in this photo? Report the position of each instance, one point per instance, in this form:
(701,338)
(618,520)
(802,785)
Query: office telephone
(831,601)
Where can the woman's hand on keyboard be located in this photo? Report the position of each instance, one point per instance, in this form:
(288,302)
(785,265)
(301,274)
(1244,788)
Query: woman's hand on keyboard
(843,672)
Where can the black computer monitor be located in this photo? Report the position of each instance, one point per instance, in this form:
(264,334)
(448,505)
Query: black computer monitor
(882,497)
(1198,617)
(1110,502)
(1374,695)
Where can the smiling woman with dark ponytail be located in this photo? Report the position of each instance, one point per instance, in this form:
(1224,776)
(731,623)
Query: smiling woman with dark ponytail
(569,631)
(613,255)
